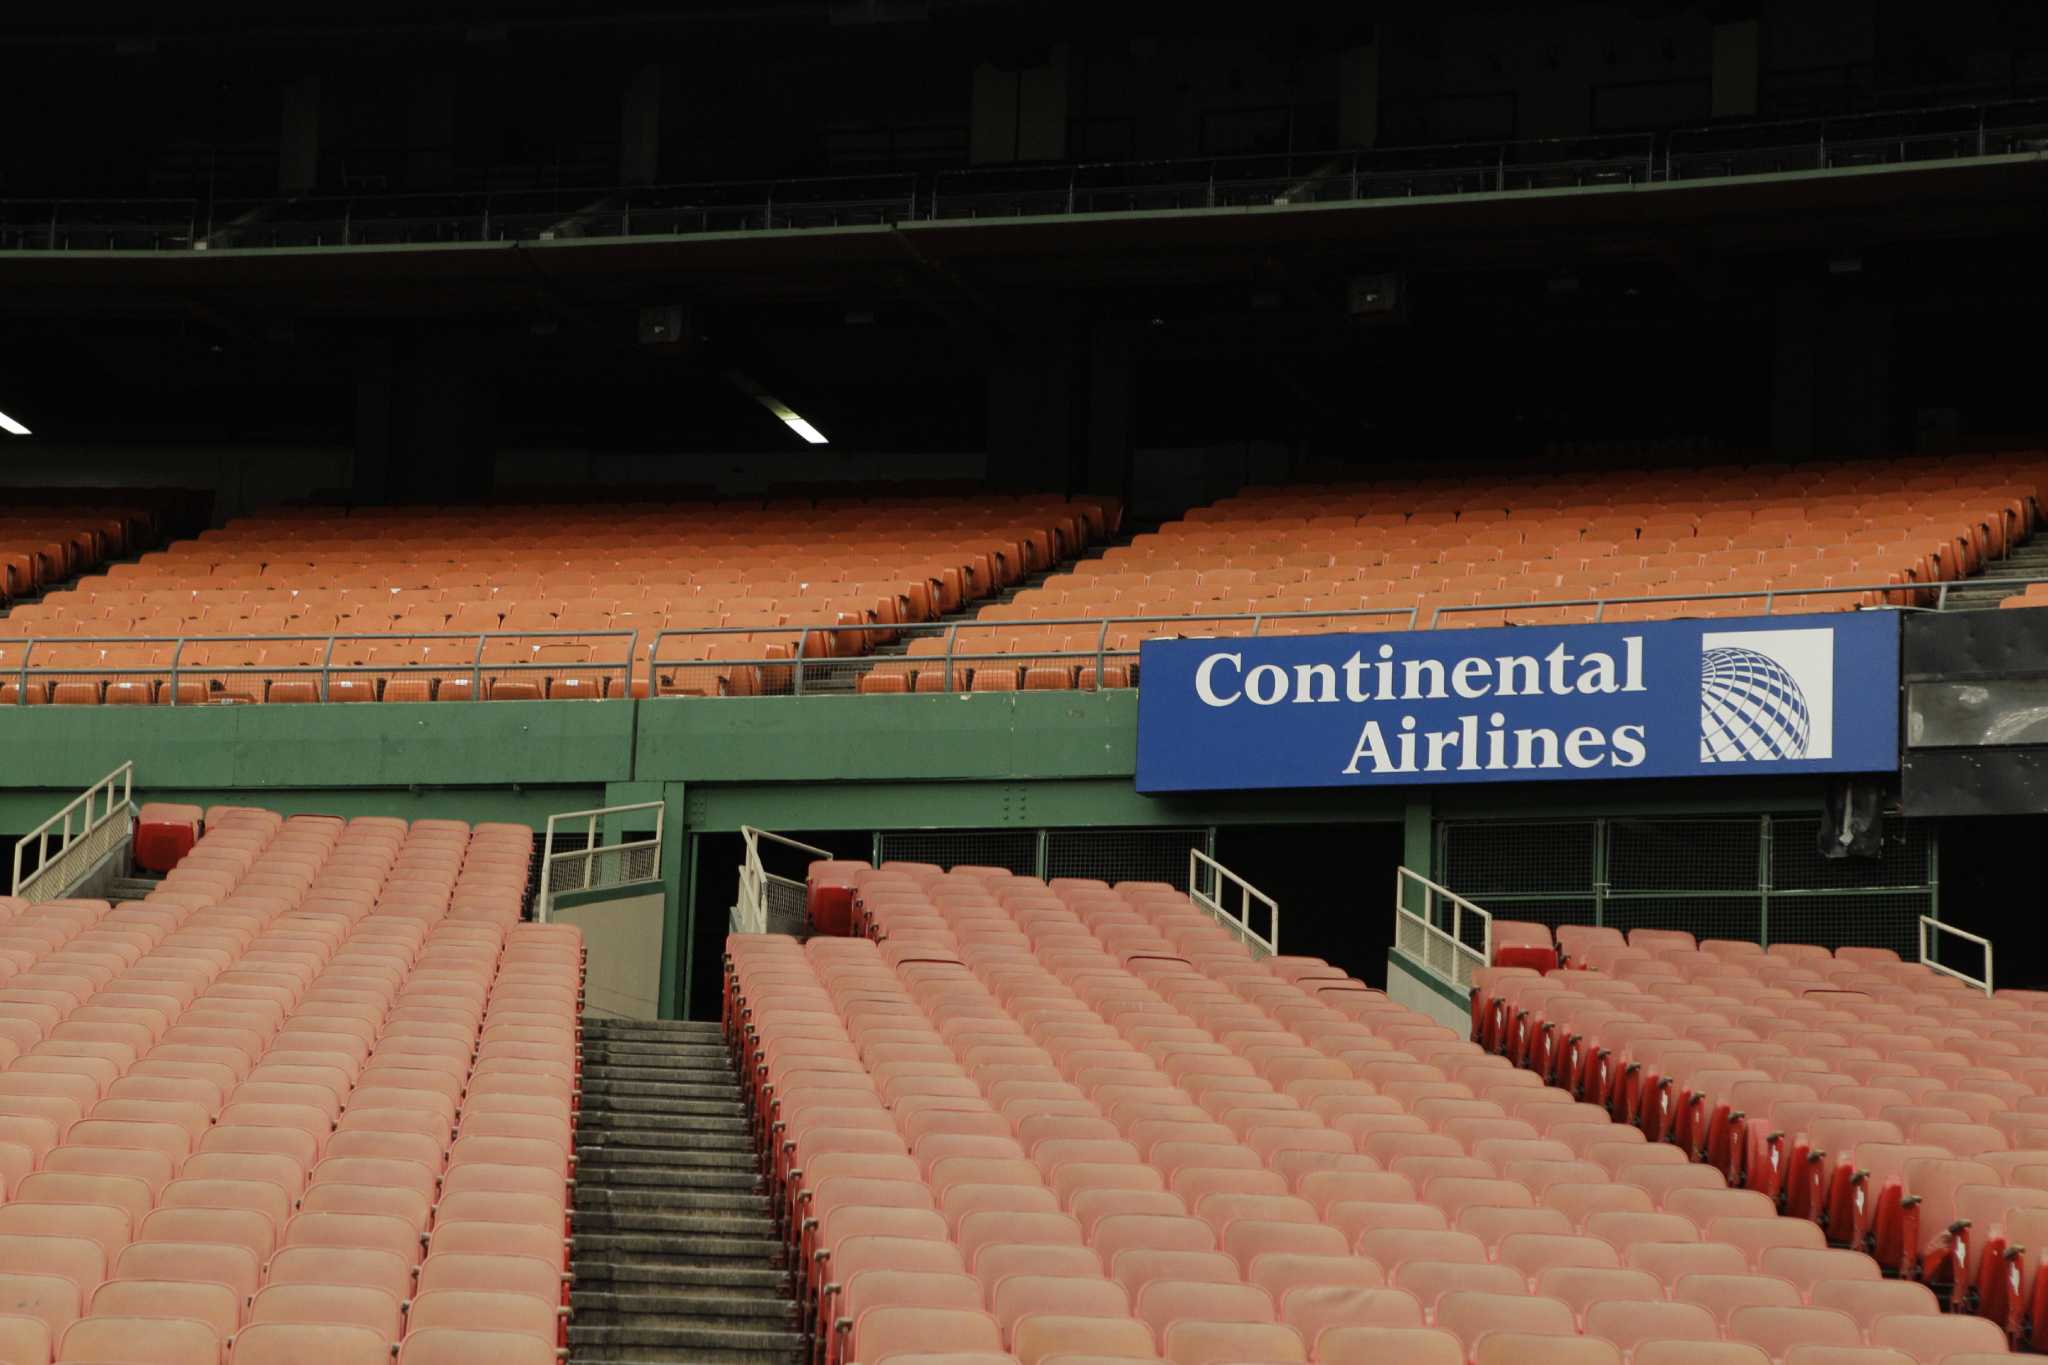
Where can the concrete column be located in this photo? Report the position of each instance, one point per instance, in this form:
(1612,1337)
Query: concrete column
(430,125)
(426,421)
(640,128)
(992,121)
(678,882)
(1042,109)
(1031,410)
(298,141)
(1358,95)
(1019,114)
(1854,375)
(1794,371)
(1737,60)
(1105,466)
(375,407)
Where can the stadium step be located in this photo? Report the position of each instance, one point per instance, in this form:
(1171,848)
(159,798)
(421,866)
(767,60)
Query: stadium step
(849,680)
(131,888)
(669,1344)
(676,1253)
(2028,561)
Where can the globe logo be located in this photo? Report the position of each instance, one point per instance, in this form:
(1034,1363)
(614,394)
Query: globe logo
(1751,708)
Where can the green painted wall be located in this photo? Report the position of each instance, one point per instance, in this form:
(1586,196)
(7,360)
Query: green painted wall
(64,748)
(968,761)
(957,737)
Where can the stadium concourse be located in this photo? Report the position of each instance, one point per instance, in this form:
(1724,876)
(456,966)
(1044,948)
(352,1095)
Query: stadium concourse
(1017,1122)
(309,1099)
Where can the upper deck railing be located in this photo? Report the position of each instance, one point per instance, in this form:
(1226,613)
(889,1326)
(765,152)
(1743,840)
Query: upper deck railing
(565,212)
(800,659)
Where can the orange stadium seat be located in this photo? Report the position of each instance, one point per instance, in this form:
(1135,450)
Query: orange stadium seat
(572,599)
(630,618)
(196,1054)
(1124,1123)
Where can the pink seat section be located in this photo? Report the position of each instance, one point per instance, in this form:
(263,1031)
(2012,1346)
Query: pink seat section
(1010,1119)
(228,1111)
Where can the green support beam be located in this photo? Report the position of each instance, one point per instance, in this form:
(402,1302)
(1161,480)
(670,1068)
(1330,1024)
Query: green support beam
(1050,803)
(1418,835)
(23,808)
(985,736)
(679,880)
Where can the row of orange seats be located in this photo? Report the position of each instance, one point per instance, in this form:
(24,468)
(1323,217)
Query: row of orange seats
(40,547)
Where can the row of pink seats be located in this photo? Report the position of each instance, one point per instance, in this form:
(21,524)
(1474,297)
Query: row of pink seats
(310,1100)
(1893,1106)
(1042,1123)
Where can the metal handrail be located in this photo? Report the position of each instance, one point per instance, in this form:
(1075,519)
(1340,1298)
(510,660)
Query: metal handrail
(750,909)
(889,198)
(1931,930)
(1442,952)
(1101,654)
(1939,587)
(553,856)
(804,659)
(83,806)
(326,669)
(1208,882)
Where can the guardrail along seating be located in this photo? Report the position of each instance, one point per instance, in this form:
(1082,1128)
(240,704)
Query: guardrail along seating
(519,603)
(1490,548)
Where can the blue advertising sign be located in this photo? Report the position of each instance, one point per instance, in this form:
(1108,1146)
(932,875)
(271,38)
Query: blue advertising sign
(1729,697)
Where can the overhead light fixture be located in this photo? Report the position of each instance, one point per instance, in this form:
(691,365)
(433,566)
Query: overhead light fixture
(783,412)
(801,427)
(12,427)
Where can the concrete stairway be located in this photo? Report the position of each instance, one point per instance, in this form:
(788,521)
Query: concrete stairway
(2028,561)
(132,888)
(676,1252)
(847,679)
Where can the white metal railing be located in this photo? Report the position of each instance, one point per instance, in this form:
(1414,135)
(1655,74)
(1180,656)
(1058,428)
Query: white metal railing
(768,903)
(597,864)
(85,831)
(1211,884)
(1931,930)
(1421,933)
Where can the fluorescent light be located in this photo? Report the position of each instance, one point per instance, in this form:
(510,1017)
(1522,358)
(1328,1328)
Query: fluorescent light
(804,429)
(790,419)
(782,410)
(8,424)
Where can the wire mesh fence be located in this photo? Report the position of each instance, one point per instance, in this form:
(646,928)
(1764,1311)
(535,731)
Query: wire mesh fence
(1734,914)
(1015,849)
(1755,877)
(1873,919)
(593,869)
(1124,855)
(1697,854)
(1111,854)
(1520,858)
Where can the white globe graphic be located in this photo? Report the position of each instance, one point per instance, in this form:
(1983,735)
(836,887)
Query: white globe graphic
(1750,708)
